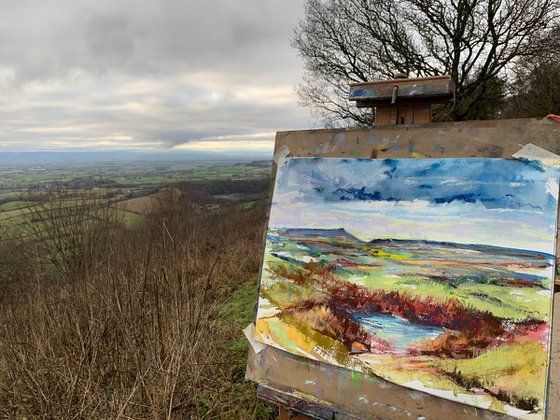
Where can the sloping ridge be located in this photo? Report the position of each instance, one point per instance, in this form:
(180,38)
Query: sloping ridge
(339,233)
(454,245)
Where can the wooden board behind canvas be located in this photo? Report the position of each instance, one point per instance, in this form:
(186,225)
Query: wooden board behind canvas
(367,396)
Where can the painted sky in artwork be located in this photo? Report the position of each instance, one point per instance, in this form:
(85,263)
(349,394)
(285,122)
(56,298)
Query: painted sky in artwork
(475,201)
(469,322)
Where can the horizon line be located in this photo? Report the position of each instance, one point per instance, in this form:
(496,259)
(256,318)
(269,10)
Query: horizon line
(416,240)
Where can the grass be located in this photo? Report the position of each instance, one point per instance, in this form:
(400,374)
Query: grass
(16,217)
(130,219)
(240,309)
(13,205)
(239,313)
(13,216)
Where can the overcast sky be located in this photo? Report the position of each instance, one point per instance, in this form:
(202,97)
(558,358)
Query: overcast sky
(145,74)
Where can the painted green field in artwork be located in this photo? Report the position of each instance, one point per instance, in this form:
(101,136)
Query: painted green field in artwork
(319,284)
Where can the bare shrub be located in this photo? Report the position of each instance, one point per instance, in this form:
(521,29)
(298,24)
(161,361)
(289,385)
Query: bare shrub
(14,266)
(72,229)
(147,334)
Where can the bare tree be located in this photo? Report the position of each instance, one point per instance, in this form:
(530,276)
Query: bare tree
(475,41)
(535,87)
(72,229)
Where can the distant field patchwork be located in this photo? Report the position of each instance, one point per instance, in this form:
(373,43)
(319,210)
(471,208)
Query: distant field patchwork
(134,187)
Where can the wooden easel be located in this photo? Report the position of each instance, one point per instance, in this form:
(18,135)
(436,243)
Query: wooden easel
(307,389)
(398,101)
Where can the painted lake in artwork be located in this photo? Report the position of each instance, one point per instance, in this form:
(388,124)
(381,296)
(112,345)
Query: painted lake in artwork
(434,274)
(400,332)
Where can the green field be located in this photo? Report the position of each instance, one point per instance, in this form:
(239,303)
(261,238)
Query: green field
(19,184)
(127,174)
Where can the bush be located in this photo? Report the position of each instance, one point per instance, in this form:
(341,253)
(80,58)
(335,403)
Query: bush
(144,332)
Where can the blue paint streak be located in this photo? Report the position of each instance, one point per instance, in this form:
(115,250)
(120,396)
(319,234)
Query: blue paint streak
(357,92)
(411,146)
(275,239)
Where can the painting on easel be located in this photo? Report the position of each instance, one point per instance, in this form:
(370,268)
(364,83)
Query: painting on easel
(434,274)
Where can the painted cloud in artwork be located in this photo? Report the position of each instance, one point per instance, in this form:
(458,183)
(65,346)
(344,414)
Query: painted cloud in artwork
(434,274)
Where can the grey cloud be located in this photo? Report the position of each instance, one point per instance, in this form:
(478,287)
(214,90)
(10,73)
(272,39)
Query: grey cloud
(140,36)
(171,113)
(109,39)
(162,72)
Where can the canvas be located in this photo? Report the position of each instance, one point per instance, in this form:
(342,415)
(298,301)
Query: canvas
(435,274)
